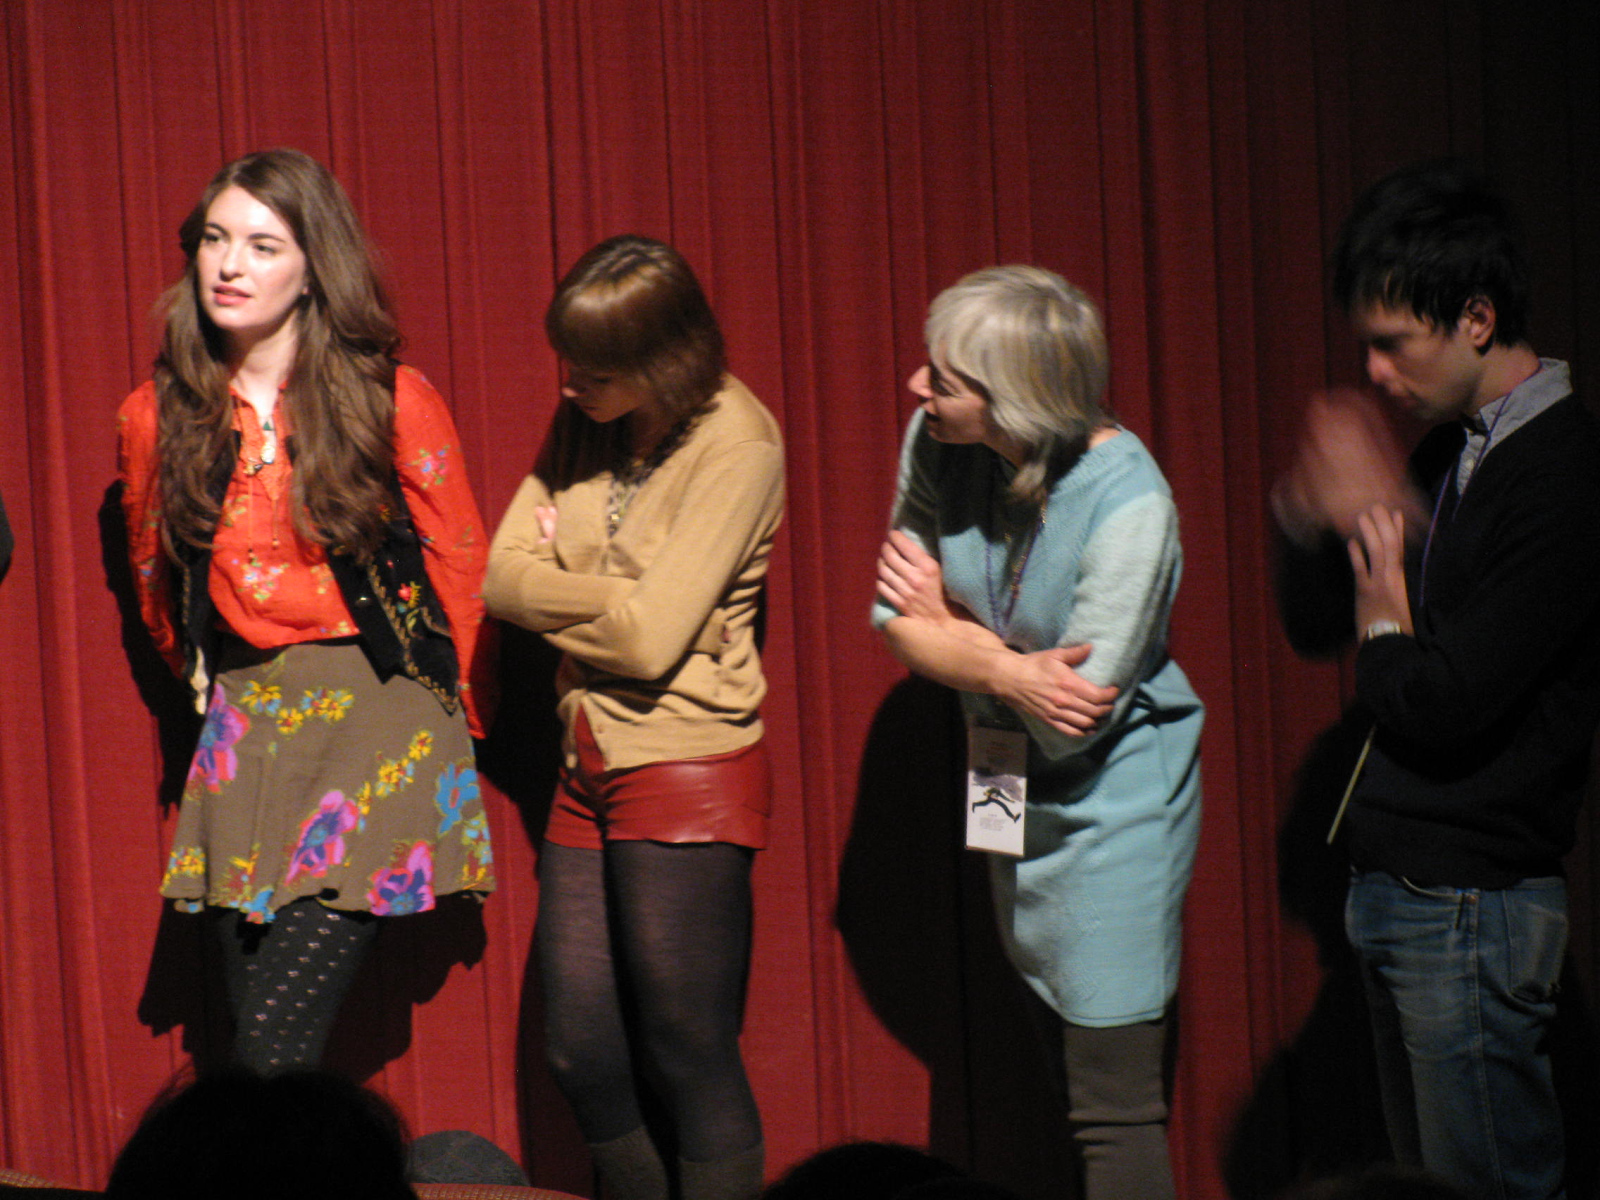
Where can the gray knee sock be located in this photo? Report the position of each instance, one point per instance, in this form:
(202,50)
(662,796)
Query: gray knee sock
(630,1168)
(737,1177)
(1117,1106)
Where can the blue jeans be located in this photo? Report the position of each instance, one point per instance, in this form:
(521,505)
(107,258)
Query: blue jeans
(1461,985)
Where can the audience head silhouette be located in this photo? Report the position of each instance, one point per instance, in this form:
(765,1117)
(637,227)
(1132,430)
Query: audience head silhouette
(248,1137)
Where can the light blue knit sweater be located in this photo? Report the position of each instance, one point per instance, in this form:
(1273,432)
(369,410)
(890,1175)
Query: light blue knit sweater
(1091,914)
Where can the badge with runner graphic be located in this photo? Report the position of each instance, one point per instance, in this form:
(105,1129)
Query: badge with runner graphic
(997,789)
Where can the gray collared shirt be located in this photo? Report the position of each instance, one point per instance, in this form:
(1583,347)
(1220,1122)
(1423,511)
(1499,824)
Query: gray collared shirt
(1499,419)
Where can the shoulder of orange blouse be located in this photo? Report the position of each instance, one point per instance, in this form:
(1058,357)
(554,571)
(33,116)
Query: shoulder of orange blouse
(138,410)
(420,411)
(410,383)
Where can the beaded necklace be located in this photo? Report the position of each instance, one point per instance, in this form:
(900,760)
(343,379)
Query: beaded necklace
(626,482)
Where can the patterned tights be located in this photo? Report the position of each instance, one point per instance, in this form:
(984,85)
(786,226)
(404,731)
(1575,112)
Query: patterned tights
(286,980)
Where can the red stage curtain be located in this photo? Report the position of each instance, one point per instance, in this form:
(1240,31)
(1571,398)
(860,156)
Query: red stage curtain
(827,167)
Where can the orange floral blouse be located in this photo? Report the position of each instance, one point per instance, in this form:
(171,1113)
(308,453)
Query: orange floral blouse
(273,588)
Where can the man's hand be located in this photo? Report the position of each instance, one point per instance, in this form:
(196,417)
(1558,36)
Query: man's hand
(1377,555)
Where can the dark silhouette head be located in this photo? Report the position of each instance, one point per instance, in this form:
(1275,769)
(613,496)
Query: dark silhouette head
(250,1137)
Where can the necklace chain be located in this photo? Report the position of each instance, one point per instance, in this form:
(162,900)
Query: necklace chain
(626,481)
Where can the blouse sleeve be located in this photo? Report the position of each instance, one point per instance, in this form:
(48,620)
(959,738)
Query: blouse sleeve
(528,587)
(141,510)
(1126,581)
(433,479)
(731,505)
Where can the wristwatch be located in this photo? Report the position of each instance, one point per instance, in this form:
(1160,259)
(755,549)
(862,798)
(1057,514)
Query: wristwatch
(1379,628)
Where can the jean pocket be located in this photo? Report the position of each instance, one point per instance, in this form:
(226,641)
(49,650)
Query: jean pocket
(1536,941)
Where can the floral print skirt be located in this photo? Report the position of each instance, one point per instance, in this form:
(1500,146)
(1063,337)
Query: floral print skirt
(315,778)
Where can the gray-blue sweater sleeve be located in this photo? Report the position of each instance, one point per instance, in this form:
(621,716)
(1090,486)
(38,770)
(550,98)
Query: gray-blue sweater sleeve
(916,506)
(1127,579)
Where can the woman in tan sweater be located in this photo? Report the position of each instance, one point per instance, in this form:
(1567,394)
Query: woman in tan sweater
(638,547)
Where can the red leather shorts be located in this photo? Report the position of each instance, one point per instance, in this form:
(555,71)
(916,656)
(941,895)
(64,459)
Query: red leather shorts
(718,798)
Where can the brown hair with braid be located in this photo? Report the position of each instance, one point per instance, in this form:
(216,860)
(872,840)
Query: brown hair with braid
(630,306)
(340,392)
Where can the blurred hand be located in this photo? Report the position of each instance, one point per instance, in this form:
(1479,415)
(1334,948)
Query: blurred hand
(1347,464)
(546,515)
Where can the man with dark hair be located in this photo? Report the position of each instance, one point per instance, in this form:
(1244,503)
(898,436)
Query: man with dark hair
(1474,588)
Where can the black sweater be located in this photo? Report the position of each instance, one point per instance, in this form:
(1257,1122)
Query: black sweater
(1486,717)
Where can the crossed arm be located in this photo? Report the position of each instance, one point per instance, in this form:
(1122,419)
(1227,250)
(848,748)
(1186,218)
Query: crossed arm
(939,639)
(641,627)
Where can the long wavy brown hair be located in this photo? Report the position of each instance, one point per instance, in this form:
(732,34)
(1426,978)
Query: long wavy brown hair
(340,392)
(630,306)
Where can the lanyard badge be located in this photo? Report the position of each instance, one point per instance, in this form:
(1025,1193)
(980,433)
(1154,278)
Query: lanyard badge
(997,789)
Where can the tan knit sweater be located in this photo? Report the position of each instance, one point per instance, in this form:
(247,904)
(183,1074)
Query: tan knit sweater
(655,621)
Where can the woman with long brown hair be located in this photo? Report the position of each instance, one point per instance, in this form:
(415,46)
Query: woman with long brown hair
(638,547)
(308,558)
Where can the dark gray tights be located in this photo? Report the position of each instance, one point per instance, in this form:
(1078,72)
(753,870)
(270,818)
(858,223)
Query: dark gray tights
(643,951)
(286,980)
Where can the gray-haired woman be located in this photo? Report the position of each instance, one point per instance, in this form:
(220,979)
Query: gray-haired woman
(1031,564)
